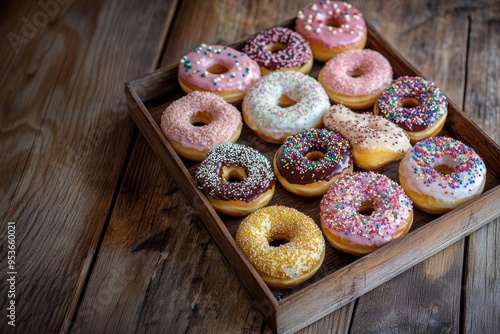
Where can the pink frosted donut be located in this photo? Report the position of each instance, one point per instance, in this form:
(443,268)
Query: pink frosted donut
(280,48)
(356,78)
(364,211)
(218,69)
(199,121)
(331,27)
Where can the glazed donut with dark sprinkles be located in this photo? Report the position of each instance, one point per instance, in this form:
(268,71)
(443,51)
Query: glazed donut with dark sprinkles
(259,175)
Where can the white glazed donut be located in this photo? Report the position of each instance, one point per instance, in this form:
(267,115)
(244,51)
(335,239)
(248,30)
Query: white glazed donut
(273,120)
(441,173)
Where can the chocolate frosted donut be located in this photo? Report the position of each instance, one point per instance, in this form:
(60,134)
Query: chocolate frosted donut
(309,162)
(280,48)
(236,179)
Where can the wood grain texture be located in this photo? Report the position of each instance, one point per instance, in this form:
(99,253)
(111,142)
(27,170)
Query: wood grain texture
(65,135)
(482,103)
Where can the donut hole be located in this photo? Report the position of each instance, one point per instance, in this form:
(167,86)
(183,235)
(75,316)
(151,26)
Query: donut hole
(410,102)
(356,73)
(217,69)
(444,169)
(275,47)
(314,155)
(201,118)
(335,22)
(285,102)
(234,173)
(366,208)
(278,240)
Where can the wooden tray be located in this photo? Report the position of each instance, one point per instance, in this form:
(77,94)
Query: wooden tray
(342,278)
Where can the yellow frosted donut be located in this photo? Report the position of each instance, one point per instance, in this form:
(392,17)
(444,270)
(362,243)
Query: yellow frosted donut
(294,261)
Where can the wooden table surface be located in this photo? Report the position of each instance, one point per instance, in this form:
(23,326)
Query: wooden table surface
(105,242)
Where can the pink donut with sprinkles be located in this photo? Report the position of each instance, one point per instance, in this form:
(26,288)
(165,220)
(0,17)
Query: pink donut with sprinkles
(280,48)
(331,27)
(363,211)
(218,69)
(356,78)
(416,105)
(309,162)
(441,173)
(199,121)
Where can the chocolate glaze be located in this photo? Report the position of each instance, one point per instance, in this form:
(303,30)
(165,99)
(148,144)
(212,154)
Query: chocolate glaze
(307,177)
(259,175)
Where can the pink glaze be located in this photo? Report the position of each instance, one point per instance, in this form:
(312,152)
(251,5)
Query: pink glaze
(339,208)
(176,121)
(242,71)
(373,73)
(313,23)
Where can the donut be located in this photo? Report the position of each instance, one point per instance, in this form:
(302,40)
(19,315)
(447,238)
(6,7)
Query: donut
(280,49)
(218,69)
(356,78)
(236,179)
(375,142)
(284,246)
(308,162)
(441,173)
(282,104)
(199,121)
(415,104)
(331,27)
(364,211)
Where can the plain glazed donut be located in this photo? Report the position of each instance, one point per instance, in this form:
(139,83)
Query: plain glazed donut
(375,141)
(356,78)
(415,104)
(218,69)
(271,119)
(331,27)
(363,211)
(309,162)
(291,263)
(199,121)
(280,49)
(236,179)
(441,173)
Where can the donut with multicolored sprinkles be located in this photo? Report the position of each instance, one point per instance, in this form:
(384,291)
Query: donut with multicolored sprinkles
(331,27)
(442,173)
(309,162)
(282,104)
(363,211)
(236,179)
(416,105)
(218,69)
(280,49)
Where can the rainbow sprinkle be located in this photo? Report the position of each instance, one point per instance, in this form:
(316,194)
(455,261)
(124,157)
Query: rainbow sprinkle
(432,103)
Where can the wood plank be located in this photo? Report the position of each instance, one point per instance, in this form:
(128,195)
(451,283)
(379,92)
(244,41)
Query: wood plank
(426,297)
(482,103)
(197,298)
(65,136)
